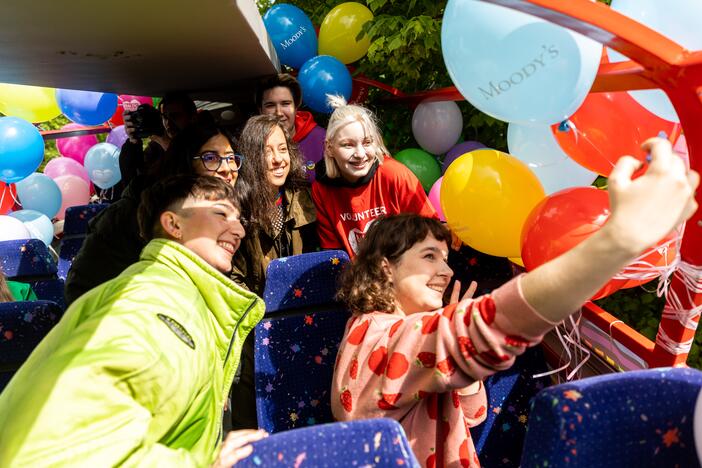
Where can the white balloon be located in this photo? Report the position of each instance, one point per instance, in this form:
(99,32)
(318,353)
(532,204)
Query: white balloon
(437,126)
(12,229)
(697,427)
(536,146)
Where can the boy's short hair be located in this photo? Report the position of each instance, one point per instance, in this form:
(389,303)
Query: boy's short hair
(178,97)
(163,195)
(284,80)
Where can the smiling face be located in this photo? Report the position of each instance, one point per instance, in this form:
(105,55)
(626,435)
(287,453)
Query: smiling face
(209,228)
(277,157)
(353,151)
(220,145)
(420,276)
(279,101)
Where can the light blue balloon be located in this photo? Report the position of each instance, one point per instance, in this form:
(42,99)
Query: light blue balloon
(102,164)
(536,146)
(40,193)
(292,34)
(21,149)
(86,107)
(514,66)
(38,224)
(321,76)
(679,20)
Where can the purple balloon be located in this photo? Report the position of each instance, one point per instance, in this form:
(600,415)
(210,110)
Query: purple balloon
(459,150)
(312,150)
(117,136)
(75,147)
(58,167)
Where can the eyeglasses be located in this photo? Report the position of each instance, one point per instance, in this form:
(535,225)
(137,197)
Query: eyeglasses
(213,161)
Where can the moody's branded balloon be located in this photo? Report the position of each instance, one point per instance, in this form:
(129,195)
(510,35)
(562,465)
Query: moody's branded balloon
(40,193)
(86,107)
(21,149)
(292,34)
(38,224)
(320,77)
(102,164)
(514,66)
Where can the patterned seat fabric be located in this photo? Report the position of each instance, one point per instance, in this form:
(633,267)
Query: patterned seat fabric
(297,342)
(22,326)
(631,419)
(26,259)
(77,217)
(67,252)
(371,442)
(500,438)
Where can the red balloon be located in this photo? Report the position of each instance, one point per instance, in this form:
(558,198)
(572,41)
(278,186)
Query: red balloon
(564,219)
(8,195)
(608,126)
(129,103)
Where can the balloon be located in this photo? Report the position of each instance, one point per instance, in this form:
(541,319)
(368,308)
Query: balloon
(312,150)
(486,196)
(40,193)
(341,26)
(21,149)
(437,126)
(566,218)
(12,229)
(74,191)
(65,166)
(321,76)
(8,195)
(30,103)
(459,150)
(435,198)
(422,164)
(86,107)
(538,149)
(118,136)
(514,66)
(679,21)
(38,225)
(129,103)
(680,147)
(292,34)
(517,261)
(75,147)
(102,164)
(608,126)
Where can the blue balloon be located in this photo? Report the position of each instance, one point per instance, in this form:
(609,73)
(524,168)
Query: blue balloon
(321,76)
(38,224)
(292,34)
(21,149)
(86,107)
(514,66)
(102,164)
(39,192)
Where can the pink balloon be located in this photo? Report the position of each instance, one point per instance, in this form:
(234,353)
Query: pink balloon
(435,200)
(681,148)
(58,167)
(75,147)
(74,191)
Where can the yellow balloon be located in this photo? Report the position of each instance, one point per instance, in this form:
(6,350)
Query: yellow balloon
(30,103)
(486,196)
(337,35)
(517,261)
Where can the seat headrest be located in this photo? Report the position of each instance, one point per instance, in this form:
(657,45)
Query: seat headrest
(26,258)
(77,217)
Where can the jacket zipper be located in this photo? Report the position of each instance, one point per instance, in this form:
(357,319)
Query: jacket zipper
(229,350)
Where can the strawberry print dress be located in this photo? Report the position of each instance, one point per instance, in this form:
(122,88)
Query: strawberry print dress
(425,369)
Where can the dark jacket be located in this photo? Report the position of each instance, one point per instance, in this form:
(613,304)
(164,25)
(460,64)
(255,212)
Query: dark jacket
(112,244)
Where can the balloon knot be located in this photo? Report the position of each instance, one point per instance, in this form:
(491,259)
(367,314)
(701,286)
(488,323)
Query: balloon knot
(564,126)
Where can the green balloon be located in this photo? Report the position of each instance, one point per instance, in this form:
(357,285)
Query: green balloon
(422,164)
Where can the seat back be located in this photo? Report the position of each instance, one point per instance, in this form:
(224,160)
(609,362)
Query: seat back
(630,419)
(77,218)
(372,442)
(297,341)
(67,252)
(24,325)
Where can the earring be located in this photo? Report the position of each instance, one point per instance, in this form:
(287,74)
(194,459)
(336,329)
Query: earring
(177,235)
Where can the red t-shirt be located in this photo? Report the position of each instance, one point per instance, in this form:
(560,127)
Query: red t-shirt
(344,214)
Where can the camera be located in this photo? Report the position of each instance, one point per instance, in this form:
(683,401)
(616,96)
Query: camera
(147,121)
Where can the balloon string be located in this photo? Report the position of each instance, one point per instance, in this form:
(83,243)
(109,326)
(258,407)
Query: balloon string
(612,345)
(572,346)
(569,125)
(691,277)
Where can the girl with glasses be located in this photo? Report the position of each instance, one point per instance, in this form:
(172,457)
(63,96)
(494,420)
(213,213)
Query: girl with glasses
(281,222)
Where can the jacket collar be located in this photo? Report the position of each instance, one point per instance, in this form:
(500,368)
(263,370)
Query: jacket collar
(304,124)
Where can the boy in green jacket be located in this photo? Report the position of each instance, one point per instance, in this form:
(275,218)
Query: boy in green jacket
(138,369)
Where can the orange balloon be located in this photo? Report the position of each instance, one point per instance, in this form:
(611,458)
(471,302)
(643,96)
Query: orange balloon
(608,126)
(8,195)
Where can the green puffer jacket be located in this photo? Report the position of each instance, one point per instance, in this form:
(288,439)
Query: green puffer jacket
(136,372)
